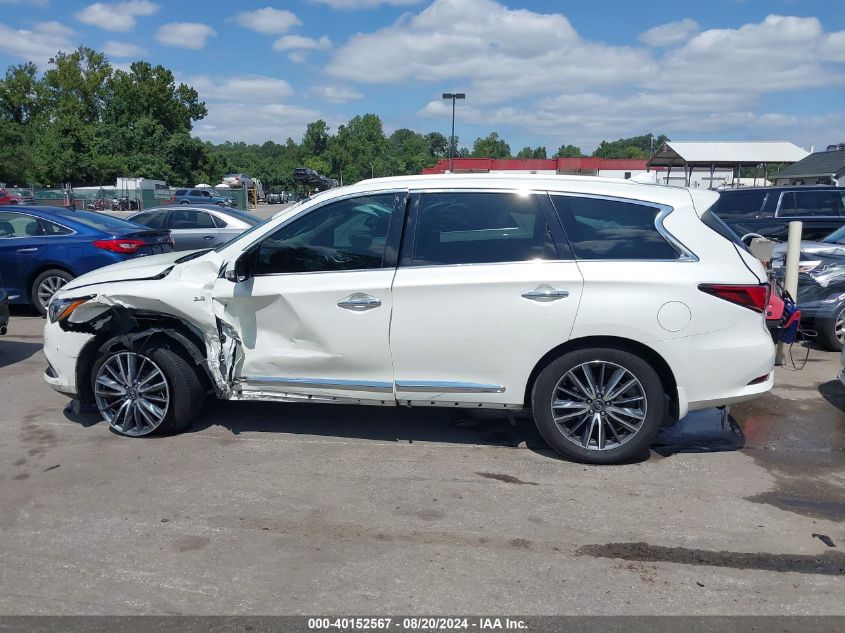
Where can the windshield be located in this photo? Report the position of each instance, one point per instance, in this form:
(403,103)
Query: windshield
(220,247)
(837,237)
(101,221)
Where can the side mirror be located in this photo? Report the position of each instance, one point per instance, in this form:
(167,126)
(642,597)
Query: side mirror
(242,269)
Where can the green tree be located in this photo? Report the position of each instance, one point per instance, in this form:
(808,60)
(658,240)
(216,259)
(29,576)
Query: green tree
(568,151)
(491,146)
(19,106)
(632,147)
(527,152)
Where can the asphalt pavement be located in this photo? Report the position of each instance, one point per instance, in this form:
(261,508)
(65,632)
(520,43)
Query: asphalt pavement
(313,509)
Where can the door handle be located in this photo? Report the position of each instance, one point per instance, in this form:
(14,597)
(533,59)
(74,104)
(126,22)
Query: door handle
(208,237)
(28,250)
(545,293)
(359,302)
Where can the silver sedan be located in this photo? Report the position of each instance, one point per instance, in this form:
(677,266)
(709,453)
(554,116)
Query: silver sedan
(197,226)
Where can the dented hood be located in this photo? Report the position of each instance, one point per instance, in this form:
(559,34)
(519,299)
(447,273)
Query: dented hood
(132,269)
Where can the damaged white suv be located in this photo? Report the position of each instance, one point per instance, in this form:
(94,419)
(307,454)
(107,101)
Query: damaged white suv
(606,307)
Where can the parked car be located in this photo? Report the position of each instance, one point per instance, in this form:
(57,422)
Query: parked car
(767,211)
(607,307)
(197,227)
(4,308)
(43,248)
(201,196)
(238,180)
(10,197)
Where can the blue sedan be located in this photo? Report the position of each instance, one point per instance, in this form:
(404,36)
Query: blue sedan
(43,248)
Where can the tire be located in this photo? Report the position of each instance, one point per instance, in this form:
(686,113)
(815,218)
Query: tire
(184,202)
(45,285)
(576,423)
(827,330)
(182,391)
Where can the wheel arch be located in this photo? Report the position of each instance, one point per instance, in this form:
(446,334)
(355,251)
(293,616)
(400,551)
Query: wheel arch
(43,268)
(652,357)
(126,329)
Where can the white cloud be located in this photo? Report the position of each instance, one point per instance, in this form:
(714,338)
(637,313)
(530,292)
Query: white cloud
(39,44)
(268,20)
(192,35)
(300,42)
(833,47)
(123,49)
(336,94)
(497,51)
(254,123)
(116,16)
(365,4)
(670,33)
(255,88)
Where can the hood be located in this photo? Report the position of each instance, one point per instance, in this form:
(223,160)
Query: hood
(132,269)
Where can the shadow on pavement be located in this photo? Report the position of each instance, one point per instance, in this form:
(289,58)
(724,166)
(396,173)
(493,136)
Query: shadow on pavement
(12,352)
(834,393)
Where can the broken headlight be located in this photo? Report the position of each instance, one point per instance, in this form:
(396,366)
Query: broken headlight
(62,308)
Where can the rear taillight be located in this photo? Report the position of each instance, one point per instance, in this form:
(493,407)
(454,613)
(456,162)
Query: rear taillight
(124,246)
(754,297)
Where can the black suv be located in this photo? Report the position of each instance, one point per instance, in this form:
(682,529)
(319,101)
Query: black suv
(768,211)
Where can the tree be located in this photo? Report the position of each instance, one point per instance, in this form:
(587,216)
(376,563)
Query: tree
(527,152)
(491,146)
(568,151)
(19,105)
(633,147)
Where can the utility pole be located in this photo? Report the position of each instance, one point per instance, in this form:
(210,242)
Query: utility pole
(453,96)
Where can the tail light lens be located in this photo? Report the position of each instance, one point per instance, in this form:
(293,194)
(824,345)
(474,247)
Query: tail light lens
(123,246)
(754,297)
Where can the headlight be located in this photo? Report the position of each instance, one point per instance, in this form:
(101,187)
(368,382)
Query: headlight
(62,308)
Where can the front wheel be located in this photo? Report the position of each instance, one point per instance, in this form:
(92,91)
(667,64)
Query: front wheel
(832,331)
(598,406)
(153,391)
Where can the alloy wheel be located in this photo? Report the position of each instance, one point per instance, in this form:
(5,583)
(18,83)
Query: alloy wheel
(48,287)
(839,327)
(132,394)
(599,405)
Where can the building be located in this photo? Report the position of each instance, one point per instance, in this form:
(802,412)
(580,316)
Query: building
(585,166)
(821,168)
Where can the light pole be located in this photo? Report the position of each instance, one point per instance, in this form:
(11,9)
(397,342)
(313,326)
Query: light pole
(453,96)
(372,171)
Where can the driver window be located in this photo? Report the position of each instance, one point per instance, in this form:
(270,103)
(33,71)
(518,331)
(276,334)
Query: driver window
(346,235)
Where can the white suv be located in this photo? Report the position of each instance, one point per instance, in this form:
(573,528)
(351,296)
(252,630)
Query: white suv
(606,307)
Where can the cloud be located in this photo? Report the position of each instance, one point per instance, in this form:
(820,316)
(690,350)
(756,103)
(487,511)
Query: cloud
(116,16)
(365,4)
(670,33)
(123,49)
(39,44)
(254,123)
(192,35)
(487,46)
(300,42)
(336,94)
(255,88)
(268,20)
(833,47)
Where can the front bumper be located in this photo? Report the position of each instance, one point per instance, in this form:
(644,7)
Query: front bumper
(62,350)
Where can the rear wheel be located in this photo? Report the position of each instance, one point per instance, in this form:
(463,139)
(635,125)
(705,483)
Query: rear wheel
(832,331)
(599,406)
(46,285)
(154,391)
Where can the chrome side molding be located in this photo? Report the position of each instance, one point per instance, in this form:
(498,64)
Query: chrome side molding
(321,383)
(434,386)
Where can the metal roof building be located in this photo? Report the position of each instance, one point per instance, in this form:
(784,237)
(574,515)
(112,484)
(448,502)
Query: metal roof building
(821,168)
(718,154)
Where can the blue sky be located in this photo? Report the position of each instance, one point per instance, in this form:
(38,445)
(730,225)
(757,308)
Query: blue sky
(539,73)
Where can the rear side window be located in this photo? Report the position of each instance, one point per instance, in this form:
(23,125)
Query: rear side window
(190,219)
(151,220)
(810,203)
(219,222)
(612,229)
(735,205)
(181,192)
(480,228)
(50,228)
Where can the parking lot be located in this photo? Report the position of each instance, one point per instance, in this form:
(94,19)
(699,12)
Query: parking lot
(271,509)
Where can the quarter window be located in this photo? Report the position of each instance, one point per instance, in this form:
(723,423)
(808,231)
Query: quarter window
(612,229)
(345,235)
(51,228)
(188,219)
(480,228)
(153,220)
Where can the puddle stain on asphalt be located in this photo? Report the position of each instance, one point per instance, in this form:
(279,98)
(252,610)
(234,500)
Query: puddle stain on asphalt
(801,443)
(826,564)
(508,479)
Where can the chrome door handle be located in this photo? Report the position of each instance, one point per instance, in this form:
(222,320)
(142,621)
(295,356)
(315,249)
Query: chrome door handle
(359,302)
(28,250)
(208,237)
(545,293)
